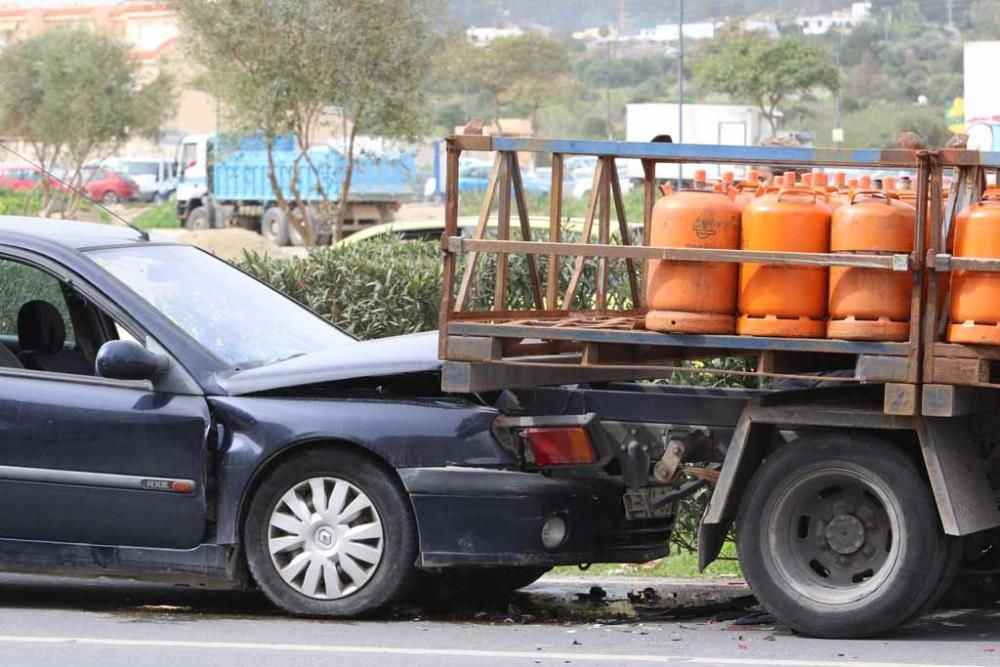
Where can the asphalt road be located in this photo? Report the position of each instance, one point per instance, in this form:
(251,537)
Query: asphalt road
(66,622)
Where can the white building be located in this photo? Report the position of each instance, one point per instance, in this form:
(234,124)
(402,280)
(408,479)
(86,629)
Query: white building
(847,19)
(668,32)
(483,36)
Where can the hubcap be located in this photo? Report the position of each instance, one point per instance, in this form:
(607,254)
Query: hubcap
(833,536)
(325,538)
(845,534)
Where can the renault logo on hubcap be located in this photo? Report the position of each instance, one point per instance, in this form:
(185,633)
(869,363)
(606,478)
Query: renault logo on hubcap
(325,537)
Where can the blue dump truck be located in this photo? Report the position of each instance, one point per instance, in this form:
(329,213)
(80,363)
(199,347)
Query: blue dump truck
(224,183)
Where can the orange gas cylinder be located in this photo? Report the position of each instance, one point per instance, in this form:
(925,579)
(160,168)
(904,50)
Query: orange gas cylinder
(840,181)
(786,301)
(871,304)
(975,295)
(728,181)
(747,190)
(694,297)
(807,180)
(834,200)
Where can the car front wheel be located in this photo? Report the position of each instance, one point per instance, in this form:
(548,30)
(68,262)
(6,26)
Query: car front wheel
(330,533)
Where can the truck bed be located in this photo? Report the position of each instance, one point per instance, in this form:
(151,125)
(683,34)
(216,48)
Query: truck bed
(533,333)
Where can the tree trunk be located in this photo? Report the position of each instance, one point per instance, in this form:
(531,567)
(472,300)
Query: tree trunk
(496,112)
(300,223)
(272,177)
(345,185)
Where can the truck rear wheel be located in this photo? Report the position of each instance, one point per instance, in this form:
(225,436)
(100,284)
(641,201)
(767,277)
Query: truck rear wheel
(838,536)
(274,226)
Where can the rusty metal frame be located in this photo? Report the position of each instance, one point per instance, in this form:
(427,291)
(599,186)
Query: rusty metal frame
(553,321)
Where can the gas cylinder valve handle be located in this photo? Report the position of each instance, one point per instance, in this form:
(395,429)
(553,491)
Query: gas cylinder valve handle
(991,195)
(797,191)
(874,194)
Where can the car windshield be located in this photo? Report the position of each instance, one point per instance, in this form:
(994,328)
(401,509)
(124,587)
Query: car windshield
(236,318)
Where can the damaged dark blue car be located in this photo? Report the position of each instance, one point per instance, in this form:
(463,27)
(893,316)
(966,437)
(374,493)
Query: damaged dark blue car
(167,417)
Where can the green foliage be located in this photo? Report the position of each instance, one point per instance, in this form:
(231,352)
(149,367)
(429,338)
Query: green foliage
(30,202)
(374,288)
(161,216)
(74,95)
(879,124)
(530,70)
(752,67)
(20,202)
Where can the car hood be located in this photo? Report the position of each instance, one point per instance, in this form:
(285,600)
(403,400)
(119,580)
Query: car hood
(414,353)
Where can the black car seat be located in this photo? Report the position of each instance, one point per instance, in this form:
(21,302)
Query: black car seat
(41,335)
(8,359)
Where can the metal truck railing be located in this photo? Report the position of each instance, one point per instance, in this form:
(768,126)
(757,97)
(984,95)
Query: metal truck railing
(490,344)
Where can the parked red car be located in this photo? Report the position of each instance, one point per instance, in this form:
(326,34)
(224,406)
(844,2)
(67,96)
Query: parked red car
(19,178)
(108,186)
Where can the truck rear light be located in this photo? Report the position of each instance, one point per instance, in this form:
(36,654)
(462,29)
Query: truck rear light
(559,446)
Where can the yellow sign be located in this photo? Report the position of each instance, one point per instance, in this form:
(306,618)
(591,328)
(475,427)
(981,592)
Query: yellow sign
(955,116)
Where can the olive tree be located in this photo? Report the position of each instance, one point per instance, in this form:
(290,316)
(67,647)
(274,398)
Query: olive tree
(751,66)
(73,96)
(368,57)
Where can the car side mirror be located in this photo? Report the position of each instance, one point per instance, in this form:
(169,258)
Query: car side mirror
(127,360)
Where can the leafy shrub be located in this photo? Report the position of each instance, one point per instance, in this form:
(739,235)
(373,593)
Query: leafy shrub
(374,288)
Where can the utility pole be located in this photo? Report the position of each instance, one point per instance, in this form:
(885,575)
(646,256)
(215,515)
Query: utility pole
(680,71)
(838,131)
(951,15)
(607,90)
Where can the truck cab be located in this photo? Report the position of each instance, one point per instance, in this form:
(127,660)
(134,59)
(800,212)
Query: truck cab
(192,174)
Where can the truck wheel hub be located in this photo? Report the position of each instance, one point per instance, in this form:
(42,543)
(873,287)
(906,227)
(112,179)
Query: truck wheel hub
(845,534)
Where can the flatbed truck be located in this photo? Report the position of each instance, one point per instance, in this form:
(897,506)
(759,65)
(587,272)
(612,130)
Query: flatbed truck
(859,475)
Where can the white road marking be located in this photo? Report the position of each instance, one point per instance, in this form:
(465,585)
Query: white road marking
(455,653)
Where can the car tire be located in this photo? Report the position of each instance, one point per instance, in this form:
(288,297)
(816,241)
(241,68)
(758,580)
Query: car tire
(109,198)
(838,536)
(474,583)
(197,220)
(274,226)
(308,561)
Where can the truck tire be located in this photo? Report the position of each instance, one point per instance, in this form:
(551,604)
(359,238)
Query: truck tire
(329,533)
(198,219)
(838,536)
(274,226)
(474,583)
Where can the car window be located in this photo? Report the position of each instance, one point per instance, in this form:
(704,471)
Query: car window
(21,283)
(143,168)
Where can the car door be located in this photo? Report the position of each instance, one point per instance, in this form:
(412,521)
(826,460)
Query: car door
(86,459)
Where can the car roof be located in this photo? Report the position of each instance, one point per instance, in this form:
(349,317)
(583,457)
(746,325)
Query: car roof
(69,234)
